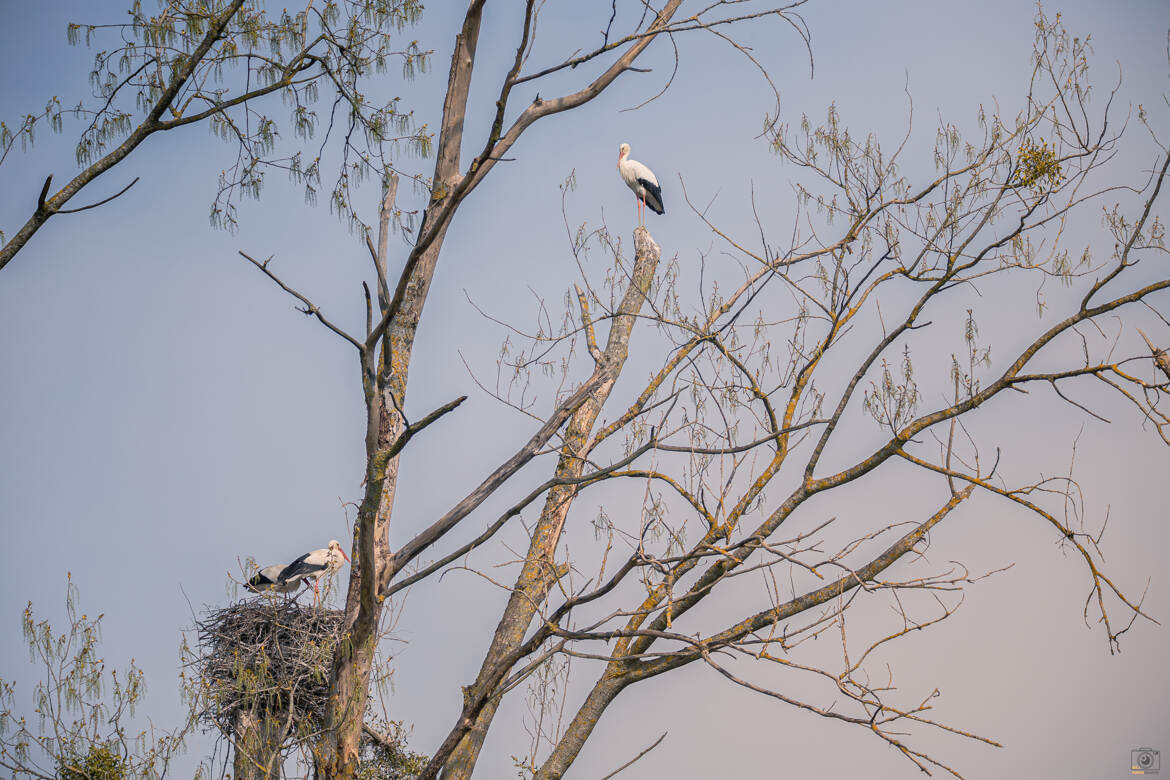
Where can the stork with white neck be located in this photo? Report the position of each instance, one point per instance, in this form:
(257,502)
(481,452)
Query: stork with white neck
(642,181)
(315,565)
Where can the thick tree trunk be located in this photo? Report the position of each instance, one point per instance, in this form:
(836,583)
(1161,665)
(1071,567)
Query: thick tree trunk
(582,725)
(385,383)
(258,738)
(540,572)
(338,754)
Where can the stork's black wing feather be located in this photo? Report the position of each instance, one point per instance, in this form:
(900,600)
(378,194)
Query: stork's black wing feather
(653,196)
(300,568)
(268,580)
(259,583)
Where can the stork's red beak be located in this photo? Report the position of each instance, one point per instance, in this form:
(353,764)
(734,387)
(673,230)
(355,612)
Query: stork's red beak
(343,555)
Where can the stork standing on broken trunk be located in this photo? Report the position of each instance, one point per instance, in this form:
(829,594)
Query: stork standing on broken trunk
(642,181)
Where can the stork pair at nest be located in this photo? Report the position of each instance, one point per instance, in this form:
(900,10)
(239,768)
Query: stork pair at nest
(306,570)
(312,566)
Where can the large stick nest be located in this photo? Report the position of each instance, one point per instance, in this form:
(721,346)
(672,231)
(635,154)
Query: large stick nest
(266,655)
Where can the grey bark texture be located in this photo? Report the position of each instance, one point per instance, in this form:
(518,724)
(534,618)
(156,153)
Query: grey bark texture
(258,738)
(386,355)
(540,570)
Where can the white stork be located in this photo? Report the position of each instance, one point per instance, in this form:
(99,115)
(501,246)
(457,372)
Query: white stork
(314,565)
(268,579)
(642,181)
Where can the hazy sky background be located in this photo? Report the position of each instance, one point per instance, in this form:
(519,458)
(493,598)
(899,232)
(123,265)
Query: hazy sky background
(165,411)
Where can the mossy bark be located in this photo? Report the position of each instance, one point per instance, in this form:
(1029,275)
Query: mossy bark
(259,735)
(540,571)
(384,378)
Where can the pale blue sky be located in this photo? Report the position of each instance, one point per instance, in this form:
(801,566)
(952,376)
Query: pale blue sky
(165,410)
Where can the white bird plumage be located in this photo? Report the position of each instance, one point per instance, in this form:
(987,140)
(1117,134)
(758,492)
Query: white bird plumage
(642,181)
(315,565)
(309,568)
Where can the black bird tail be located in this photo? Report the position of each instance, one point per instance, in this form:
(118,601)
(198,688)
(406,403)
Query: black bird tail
(653,196)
